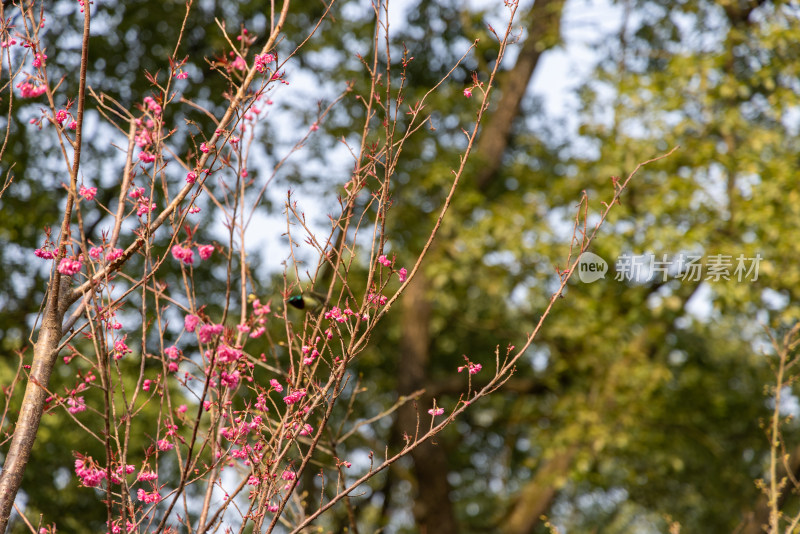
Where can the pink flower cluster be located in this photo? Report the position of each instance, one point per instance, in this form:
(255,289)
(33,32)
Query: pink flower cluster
(89,473)
(208,331)
(262,60)
(340,316)
(39,59)
(238,63)
(190,322)
(28,90)
(76,405)
(69,267)
(472,368)
(312,352)
(146,475)
(87,192)
(148,498)
(230,380)
(145,206)
(294,396)
(120,349)
(44,253)
(205,251)
(152,105)
(241,428)
(227,354)
(173,353)
(386,262)
(186,255)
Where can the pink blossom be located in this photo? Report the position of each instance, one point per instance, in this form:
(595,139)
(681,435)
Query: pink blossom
(472,368)
(146,157)
(95,252)
(239,63)
(294,396)
(165,445)
(262,60)
(145,206)
(258,332)
(146,385)
(204,148)
(143,138)
(229,379)
(90,474)
(205,251)
(87,192)
(190,322)
(436,411)
(402,274)
(148,498)
(182,75)
(468,92)
(182,408)
(76,405)
(186,255)
(28,90)
(191,177)
(208,331)
(228,354)
(120,349)
(69,267)
(146,475)
(114,254)
(383,260)
(152,105)
(38,59)
(44,253)
(276,385)
(136,192)
(61,116)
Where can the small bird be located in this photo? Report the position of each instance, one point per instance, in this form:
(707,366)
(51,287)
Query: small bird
(309,300)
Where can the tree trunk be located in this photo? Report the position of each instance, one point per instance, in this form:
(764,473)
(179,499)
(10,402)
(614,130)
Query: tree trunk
(433,510)
(544,29)
(538,495)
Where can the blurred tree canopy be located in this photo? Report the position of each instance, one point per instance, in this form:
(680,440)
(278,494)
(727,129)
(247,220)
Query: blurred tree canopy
(642,401)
